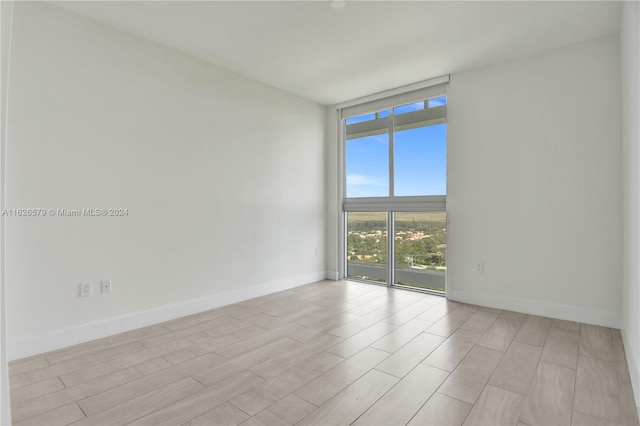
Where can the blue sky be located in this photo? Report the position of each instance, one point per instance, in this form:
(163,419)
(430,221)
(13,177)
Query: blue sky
(419,159)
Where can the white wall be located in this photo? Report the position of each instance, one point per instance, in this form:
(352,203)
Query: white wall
(535,184)
(630,53)
(6,15)
(222,176)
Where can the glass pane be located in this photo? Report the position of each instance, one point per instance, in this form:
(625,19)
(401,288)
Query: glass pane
(416,106)
(360,118)
(421,250)
(367,246)
(368,166)
(436,102)
(420,160)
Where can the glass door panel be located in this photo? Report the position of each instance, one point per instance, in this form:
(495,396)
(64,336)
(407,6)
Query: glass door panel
(367,246)
(420,250)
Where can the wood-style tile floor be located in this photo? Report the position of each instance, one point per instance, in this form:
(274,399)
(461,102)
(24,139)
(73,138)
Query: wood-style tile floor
(335,353)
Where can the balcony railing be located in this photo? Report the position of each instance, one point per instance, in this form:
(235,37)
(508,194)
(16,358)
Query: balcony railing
(413,277)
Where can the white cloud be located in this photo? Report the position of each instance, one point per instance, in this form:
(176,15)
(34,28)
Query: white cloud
(366,186)
(358,180)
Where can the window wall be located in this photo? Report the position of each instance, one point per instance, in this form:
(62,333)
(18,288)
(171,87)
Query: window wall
(394,190)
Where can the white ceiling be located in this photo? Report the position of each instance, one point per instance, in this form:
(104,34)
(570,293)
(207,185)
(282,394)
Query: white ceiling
(333,55)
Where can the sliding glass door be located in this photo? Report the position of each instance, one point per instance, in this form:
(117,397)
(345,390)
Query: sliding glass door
(420,250)
(367,246)
(418,247)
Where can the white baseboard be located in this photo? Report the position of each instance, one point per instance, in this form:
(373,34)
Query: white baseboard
(634,369)
(333,275)
(537,307)
(72,336)
(634,372)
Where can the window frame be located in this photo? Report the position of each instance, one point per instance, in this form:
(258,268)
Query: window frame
(391,204)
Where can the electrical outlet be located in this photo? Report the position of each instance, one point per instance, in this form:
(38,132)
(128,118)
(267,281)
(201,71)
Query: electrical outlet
(105,286)
(479,267)
(317,252)
(85,289)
